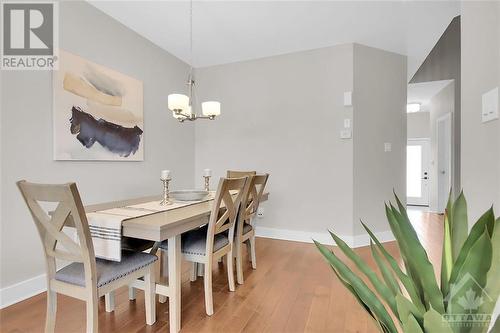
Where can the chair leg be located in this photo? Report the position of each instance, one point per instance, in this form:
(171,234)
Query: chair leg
(163,272)
(92,319)
(194,272)
(207,279)
(50,321)
(239,262)
(132,294)
(230,270)
(109,301)
(252,252)
(150,297)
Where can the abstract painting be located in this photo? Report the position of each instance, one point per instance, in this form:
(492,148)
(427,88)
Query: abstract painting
(98,112)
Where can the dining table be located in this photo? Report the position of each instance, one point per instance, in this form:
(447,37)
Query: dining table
(165,225)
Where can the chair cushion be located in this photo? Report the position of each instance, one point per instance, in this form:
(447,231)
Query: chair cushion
(107,271)
(195,242)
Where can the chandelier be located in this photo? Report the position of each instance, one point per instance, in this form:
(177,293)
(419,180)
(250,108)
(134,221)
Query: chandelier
(182,106)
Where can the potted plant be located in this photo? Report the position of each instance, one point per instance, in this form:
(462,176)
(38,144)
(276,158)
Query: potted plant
(411,299)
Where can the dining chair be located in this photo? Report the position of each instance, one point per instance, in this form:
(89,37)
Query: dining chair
(136,245)
(245,225)
(85,278)
(215,240)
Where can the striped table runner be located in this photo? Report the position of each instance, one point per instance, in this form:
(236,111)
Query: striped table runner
(106,225)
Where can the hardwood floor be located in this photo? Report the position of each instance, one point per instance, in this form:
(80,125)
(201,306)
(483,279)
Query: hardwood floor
(292,290)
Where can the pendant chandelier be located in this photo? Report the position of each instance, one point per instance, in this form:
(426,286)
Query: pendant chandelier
(182,106)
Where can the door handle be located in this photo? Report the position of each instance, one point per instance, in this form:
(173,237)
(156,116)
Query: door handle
(425,178)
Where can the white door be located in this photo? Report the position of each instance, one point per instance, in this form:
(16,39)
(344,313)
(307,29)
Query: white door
(443,160)
(417,172)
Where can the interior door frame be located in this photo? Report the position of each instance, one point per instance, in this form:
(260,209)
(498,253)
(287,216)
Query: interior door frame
(442,198)
(425,202)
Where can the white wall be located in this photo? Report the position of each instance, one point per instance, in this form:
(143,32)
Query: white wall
(283,115)
(480,73)
(418,125)
(440,105)
(26,132)
(379,117)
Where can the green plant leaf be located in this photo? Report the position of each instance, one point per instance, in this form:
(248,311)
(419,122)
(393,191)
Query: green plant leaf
(487,220)
(435,323)
(407,308)
(406,281)
(381,288)
(404,251)
(410,325)
(422,268)
(389,279)
(467,290)
(353,292)
(447,257)
(361,289)
(458,225)
(492,288)
(404,213)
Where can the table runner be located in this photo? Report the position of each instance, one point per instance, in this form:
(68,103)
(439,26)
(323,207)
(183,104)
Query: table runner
(106,225)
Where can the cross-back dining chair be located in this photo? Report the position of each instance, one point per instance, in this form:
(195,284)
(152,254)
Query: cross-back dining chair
(245,227)
(215,240)
(86,278)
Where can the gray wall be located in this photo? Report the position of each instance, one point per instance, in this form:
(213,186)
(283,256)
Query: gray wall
(443,63)
(379,117)
(480,73)
(418,125)
(26,132)
(283,115)
(440,105)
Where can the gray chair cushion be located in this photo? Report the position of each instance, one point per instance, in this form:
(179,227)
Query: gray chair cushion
(195,242)
(107,271)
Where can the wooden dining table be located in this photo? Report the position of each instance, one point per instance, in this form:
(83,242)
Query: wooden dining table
(167,225)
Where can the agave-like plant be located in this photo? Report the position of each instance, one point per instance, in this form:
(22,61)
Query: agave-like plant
(411,300)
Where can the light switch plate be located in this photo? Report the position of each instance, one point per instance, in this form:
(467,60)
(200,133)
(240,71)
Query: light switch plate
(489,110)
(345,134)
(348,98)
(387,147)
(347,123)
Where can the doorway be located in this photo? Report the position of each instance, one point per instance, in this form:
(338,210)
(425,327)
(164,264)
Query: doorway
(417,172)
(443,127)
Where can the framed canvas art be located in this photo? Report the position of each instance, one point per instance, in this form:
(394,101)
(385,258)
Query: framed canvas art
(98,112)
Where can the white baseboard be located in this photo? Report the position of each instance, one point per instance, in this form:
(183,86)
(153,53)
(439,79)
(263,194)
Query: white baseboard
(322,237)
(22,290)
(31,287)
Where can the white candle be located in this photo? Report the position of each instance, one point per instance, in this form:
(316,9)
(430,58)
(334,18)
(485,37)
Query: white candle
(207,173)
(165,174)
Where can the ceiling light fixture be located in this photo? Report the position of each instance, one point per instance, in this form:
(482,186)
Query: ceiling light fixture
(182,106)
(412,107)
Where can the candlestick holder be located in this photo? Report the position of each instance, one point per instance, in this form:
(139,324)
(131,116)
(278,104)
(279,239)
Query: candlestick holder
(207,183)
(166,193)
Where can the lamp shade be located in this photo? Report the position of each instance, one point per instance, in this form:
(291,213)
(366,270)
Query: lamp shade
(178,102)
(210,108)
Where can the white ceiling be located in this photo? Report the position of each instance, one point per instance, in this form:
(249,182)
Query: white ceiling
(230,31)
(423,92)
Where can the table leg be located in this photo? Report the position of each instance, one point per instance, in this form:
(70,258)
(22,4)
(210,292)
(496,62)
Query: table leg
(174,282)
